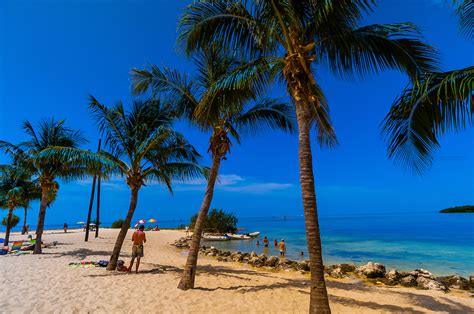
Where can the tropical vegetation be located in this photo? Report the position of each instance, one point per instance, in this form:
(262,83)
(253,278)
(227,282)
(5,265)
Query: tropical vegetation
(213,107)
(51,152)
(143,148)
(14,220)
(289,41)
(217,221)
(458,209)
(436,103)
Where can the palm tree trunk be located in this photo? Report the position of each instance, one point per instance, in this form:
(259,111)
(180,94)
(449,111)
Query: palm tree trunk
(89,213)
(189,272)
(319,302)
(9,224)
(97,216)
(123,231)
(41,218)
(23,230)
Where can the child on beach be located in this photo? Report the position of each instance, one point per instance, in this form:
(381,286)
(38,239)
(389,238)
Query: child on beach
(65,227)
(138,238)
(282,248)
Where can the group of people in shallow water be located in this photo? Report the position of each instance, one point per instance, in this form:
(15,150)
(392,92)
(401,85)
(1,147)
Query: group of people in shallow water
(280,245)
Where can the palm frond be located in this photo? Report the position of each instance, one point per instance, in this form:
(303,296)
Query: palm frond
(267,114)
(465,10)
(376,48)
(439,103)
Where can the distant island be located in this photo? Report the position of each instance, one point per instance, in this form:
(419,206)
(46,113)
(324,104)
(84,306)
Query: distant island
(458,209)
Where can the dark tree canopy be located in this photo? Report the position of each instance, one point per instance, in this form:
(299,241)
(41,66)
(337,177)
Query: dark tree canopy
(218,221)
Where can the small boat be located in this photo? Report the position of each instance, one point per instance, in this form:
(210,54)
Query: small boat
(234,236)
(254,234)
(208,237)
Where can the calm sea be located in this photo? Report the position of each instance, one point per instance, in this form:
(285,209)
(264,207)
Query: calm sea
(441,243)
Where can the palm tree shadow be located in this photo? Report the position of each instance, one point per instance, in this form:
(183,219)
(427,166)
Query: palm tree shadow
(83,253)
(427,302)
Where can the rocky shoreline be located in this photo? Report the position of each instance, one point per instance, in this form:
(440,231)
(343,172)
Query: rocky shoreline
(373,272)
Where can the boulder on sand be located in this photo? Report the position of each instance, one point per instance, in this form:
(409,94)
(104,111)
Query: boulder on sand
(430,284)
(392,278)
(455,282)
(271,261)
(408,281)
(339,270)
(371,270)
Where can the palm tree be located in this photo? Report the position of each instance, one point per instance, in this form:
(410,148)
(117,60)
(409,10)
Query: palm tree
(51,153)
(438,103)
(213,108)
(16,189)
(288,40)
(144,148)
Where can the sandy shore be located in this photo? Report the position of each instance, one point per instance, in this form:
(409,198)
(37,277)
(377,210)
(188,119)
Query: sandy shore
(45,283)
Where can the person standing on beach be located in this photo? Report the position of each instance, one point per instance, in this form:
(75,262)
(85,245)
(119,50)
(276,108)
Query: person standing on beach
(187,230)
(265,241)
(282,248)
(138,238)
(65,227)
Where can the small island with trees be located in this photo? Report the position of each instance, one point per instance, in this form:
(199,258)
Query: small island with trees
(458,209)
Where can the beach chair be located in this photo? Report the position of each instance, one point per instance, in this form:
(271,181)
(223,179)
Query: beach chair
(16,246)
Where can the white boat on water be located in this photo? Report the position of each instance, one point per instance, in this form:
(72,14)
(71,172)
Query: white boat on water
(254,234)
(234,236)
(208,237)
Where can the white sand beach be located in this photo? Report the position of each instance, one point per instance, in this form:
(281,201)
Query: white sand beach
(45,283)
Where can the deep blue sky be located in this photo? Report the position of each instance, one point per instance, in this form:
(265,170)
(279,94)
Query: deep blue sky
(56,52)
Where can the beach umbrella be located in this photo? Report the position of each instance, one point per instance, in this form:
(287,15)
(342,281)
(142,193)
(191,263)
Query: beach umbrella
(152,220)
(80,222)
(140,222)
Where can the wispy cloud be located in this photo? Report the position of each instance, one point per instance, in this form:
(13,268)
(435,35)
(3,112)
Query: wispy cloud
(235,183)
(226,182)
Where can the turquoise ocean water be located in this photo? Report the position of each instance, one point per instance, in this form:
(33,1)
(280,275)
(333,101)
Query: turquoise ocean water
(441,243)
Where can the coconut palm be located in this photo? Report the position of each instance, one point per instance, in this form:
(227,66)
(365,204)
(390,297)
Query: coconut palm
(224,112)
(16,190)
(290,40)
(52,152)
(437,103)
(144,148)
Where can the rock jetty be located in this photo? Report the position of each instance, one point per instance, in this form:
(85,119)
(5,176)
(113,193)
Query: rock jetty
(419,278)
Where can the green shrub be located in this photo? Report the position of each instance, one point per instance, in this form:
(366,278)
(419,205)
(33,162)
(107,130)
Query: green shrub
(218,221)
(14,222)
(117,224)
(181,227)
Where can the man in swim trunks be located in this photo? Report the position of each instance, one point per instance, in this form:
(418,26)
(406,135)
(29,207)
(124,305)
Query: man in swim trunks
(265,241)
(282,248)
(138,238)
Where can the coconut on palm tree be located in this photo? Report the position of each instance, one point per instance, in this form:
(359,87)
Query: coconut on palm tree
(224,112)
(435,104)
(291,40)
(16,189)
(52,152)
(144,149)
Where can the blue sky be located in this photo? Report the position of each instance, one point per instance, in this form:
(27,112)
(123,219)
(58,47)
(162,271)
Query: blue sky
(56,52)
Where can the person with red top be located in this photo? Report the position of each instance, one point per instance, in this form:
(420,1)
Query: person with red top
(138,238)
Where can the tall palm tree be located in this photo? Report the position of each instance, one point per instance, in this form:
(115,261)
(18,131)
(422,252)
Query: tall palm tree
(144,148)
(438,103)
(213,108)
(16,189)
(290,40)
(48,156)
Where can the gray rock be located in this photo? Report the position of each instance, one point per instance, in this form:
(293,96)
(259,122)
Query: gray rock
(408,281)
(303,266)
(392,278)
(424,273)
(272,261)
(339,270)
(253,254)
(371,270)
(285,263)
(455,282)
(430,284)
